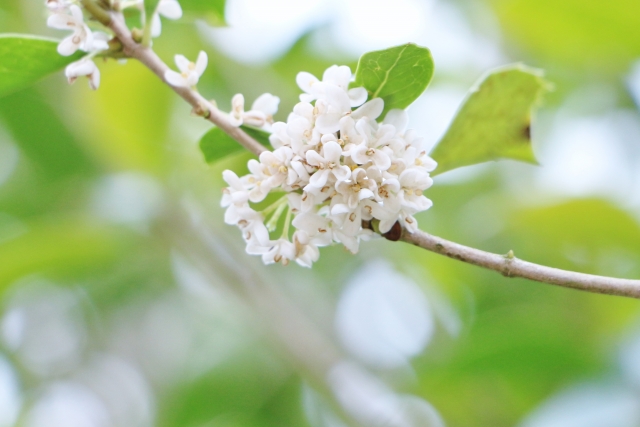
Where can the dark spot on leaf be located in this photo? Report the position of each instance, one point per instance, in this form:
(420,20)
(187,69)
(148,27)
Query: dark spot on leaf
(527,132)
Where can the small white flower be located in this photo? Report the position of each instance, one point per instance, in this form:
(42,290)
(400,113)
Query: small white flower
(338,166)
(260,115)
(358,188)
(237,110)
(189,72)
(306,251)
(82,38)
(84,67)
(327,164)
(170,9)
(413,182)
(281,250)
(236,193)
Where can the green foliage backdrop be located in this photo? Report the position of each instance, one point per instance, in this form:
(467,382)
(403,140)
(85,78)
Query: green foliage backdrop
(518,343)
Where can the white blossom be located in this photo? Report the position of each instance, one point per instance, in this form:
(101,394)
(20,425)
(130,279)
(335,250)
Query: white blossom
(189,72)
(84,67)
(260,115)
(338,168)
(82,37)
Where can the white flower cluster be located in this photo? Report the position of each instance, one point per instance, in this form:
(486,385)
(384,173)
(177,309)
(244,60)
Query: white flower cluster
(67,15)
(337,167)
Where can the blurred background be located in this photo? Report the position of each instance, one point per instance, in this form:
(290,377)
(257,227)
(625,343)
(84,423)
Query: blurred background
(126,301)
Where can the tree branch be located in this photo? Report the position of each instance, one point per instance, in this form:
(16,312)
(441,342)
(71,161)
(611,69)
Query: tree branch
(507,265)
(200,105)
(510,266)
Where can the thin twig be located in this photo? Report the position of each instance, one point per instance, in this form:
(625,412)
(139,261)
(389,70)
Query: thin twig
(510,266)
(200,105)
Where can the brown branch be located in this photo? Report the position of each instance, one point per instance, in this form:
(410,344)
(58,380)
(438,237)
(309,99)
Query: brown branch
(510,266)
(507,265)
(200,105)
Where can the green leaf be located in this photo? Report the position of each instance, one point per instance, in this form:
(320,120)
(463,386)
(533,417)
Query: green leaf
(594,34)
(216,144)
(67,246)
(398,75)
(25,59)
(150,7)
(494,121)
(211,10)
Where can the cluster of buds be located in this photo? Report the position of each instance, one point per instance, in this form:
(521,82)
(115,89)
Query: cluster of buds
(335,168)
(67,15)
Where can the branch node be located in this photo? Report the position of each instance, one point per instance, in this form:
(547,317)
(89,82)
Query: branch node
(201,110)
(137,35)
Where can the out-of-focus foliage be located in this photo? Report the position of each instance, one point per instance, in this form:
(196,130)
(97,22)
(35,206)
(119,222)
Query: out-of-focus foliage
(211,10)
(216,144)
(26,59)
(494,122)
(575,33)
(398,75)
(103,314)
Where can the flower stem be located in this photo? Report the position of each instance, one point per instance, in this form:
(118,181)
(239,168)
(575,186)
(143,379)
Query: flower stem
(278,207)
(97,12)
(287,222)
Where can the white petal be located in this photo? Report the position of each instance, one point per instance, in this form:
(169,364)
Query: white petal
(80,68)
(328,123)
(255,118)
(305,81)
(266,103)
(357,95)
(182,62)
(175,79)
(201,63)
(59,21)
(338,75)
(319,179)
(336,97)
(67,46)
(371,109)
(342,173)
(170,9)
(76,12)
(94,79)
(332,151)
(156,25)
(398,118)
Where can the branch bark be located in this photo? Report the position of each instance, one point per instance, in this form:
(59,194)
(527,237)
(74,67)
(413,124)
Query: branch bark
(201,106)
(507,265)
(510,266)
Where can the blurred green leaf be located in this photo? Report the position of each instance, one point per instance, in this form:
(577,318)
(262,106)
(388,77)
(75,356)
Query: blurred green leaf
(398,75)
(249,389)
(494,121)
(216,144)
(150,7)
(211,10)
(126,121)
(601,35)
(590,235)
(36,128)
(25,59)
(60,246)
